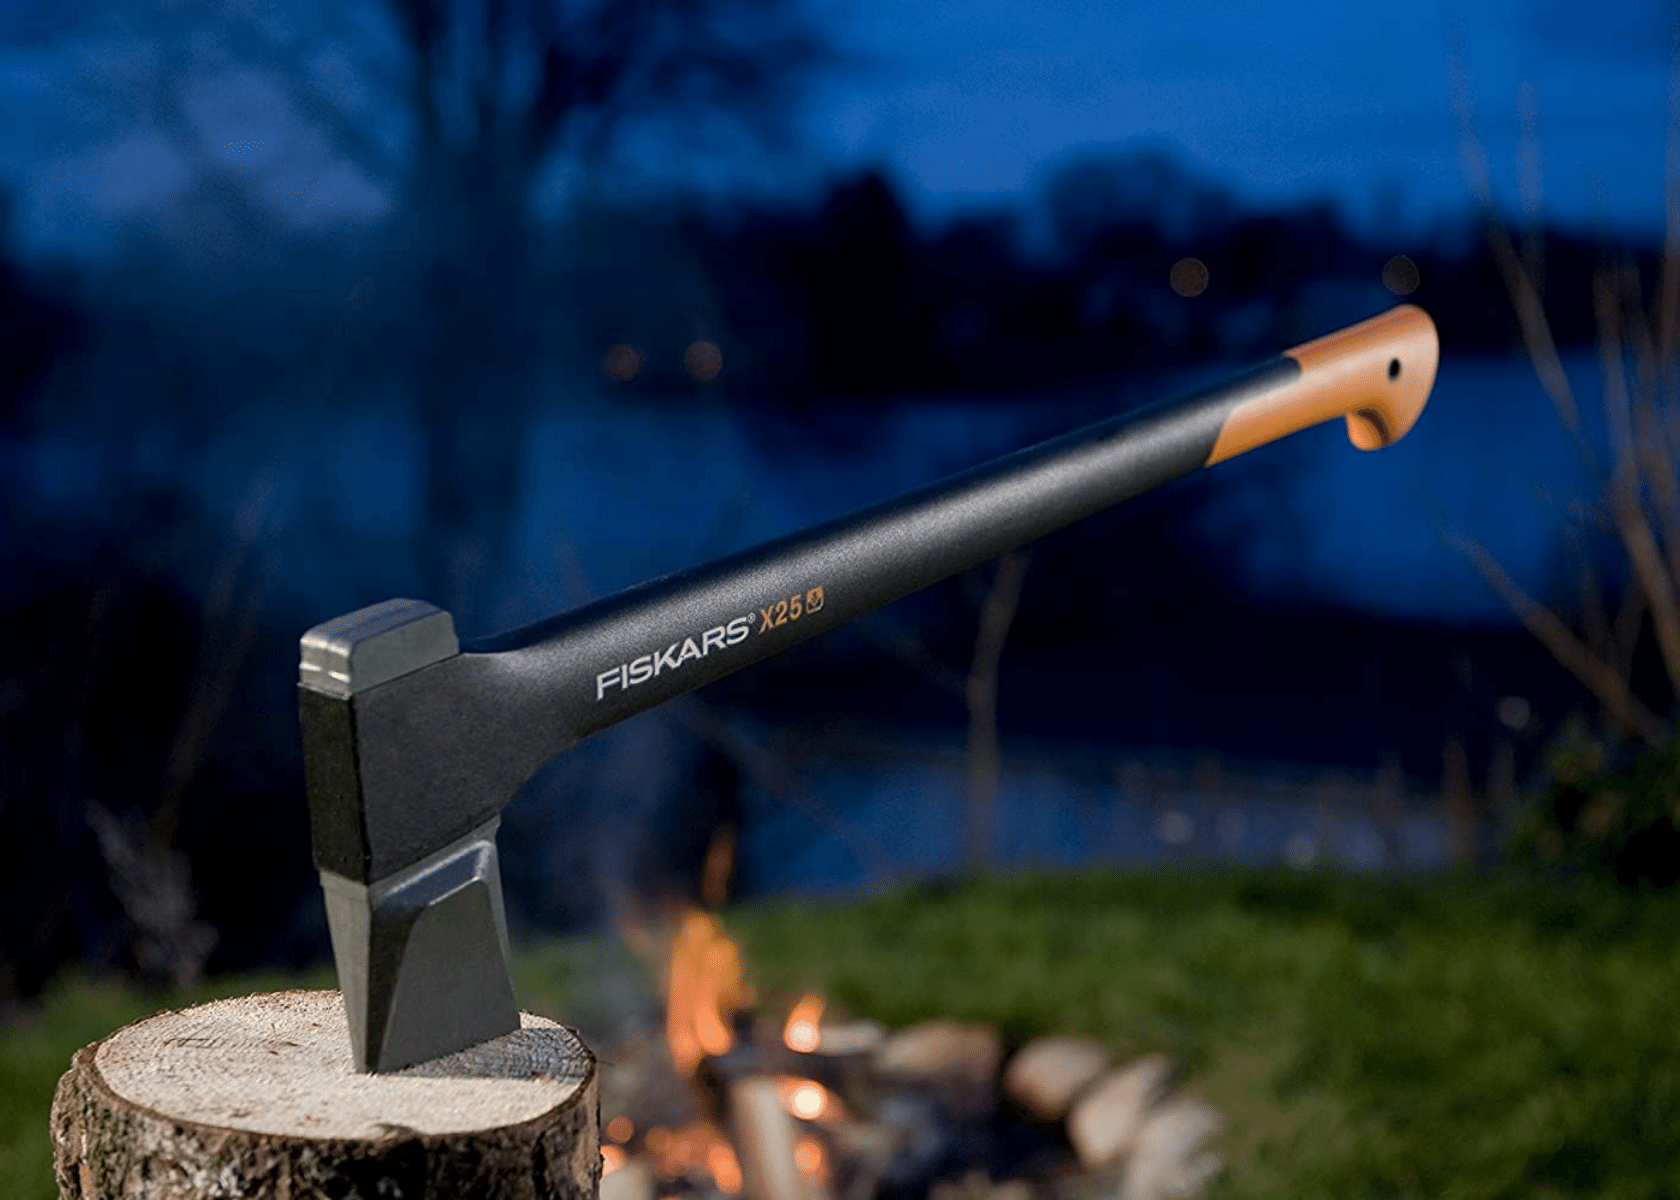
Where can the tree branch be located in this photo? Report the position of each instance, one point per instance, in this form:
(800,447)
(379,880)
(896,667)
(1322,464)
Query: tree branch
(980,692)
(425,23)
(1651,567)
(1630,617)
(773,774)
(1654,429)
(1668,286)
(1531,314)
(1600,635)
(1652,574)
(1600,677)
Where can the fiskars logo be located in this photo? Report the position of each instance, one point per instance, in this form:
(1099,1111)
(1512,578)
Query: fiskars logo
(658,662)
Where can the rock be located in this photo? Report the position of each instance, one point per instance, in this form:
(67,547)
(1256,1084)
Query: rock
(1106,1118)
(1171,1159)
(1046,1074)
(838,1038)
(944,1053)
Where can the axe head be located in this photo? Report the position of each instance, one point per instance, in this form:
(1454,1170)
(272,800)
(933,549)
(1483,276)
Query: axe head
(419,934)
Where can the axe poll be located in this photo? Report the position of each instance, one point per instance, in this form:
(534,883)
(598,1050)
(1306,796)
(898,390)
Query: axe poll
(414,741)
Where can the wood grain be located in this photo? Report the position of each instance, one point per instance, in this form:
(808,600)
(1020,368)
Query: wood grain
(255,1096)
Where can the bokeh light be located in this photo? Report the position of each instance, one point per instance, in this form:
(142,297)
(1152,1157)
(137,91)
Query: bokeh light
(704,360)
(812,1160)
(1400,275)
(622,362)
(1189,277)
(807,1101)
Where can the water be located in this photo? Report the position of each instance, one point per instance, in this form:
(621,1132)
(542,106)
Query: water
(899,811)
(619,491)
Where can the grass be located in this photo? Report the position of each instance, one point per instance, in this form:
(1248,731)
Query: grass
(1450,1037)
(36,1050)
(1441,1038)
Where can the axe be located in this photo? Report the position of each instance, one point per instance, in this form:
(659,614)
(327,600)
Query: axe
(414,742)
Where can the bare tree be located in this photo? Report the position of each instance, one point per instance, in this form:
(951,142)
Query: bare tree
(1636,489)
(999,600)
(497,89)
(980,692)
(460,114)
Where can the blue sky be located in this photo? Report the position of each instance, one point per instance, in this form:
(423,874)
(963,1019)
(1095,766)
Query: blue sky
(970,103)
(1279,100)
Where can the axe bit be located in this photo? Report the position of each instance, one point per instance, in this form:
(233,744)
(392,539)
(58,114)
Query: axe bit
(414,743)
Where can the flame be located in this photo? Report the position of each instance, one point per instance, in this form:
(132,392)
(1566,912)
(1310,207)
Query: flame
(694,1149)
(806,1098)
(612,1158)
(803,1031)
(811,1159)
(725,1168)
(708,985)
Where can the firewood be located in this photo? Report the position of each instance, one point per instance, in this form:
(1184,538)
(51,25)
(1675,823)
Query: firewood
(632,1181)
(257,1096)
(765,1136)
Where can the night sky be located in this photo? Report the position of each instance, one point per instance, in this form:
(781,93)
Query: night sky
(973,104)
(1280,100)
(968,103)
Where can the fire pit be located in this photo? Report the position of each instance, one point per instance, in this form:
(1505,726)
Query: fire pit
(810,1106)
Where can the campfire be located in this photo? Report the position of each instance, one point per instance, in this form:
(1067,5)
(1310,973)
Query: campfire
(806,1106)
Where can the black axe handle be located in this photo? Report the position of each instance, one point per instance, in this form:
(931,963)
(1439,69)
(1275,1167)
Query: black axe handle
(495,712)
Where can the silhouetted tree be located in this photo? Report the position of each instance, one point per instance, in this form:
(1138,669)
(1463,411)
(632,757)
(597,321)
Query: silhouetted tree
(1087,197)
(462,113)
(867,291)
(497,90)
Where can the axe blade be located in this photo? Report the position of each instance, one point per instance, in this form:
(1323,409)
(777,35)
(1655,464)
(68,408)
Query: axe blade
(422,955)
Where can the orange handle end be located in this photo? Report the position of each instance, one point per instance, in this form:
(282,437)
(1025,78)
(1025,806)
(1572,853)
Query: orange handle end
(1377,374)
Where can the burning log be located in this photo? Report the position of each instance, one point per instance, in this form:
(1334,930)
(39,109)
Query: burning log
(803,1031)
(815,1108)
(707,986)
(626,1178)
(769,1145)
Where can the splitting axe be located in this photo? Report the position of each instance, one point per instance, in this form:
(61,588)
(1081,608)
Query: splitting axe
(414,742)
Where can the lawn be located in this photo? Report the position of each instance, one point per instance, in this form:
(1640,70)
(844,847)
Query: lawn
(1367,1037)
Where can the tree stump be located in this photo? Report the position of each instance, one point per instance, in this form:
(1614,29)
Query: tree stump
(255,1096)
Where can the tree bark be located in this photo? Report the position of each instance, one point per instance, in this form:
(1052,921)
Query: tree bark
(256,1096)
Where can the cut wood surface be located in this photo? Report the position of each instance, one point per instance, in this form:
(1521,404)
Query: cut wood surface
(256,1096)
